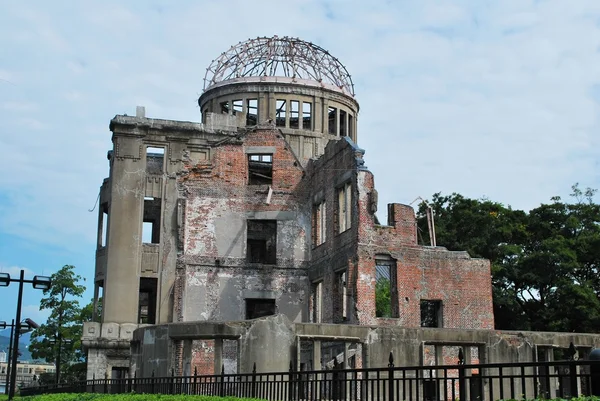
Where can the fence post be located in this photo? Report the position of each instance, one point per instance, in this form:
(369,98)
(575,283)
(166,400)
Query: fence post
(152,382)
(462,388)
(391,377)
(172,380)
(222,383)
(94,382)
(254,380)
(106,383)
(195,386)
(291,383)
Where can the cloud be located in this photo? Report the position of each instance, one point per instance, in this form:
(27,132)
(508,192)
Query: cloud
(486,99)
(15,271)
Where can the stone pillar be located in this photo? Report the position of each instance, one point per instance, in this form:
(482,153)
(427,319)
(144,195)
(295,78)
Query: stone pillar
(128,175)
(187,358)
(218,355)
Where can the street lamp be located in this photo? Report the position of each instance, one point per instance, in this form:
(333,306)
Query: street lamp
(38,282)
(29,326)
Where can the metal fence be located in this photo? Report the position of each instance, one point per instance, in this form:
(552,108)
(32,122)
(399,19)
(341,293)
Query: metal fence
(482,382)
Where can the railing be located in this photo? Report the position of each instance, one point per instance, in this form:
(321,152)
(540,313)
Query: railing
(483,382)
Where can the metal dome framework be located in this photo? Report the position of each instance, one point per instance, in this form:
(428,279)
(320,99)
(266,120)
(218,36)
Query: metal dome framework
(279,57)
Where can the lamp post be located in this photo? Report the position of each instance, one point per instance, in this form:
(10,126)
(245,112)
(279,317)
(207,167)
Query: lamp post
(3,326)
(38,282)
(29,325)
(59,342)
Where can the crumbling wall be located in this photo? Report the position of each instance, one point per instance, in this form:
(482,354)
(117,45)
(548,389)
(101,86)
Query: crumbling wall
(336,255)
(460,283)
(219,202)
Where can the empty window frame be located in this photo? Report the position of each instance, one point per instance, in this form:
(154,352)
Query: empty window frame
(343,123)
(294,114)
(339,297)
(262,241)
(103,226)
(251,111)
(147,301)
(155,157)
(351,126)
(317,302)
(280,112)
(307,116)
(260,169)
(151,221)
(431,313)
(332,118)
(224,106)
(386,294)
(256,308)
(238,106)
(344,208)
(319,223)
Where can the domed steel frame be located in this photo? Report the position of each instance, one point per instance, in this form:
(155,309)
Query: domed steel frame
(279,57)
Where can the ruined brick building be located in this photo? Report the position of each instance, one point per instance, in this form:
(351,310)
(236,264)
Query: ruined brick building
(266,208)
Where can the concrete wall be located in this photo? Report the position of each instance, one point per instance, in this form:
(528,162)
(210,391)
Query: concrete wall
(271,343)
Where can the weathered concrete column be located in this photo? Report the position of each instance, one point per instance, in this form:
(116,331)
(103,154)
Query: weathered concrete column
(121,288)
(187,358)
(218,355)
(316,355)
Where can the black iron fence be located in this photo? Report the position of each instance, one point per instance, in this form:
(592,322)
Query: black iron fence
(481,382)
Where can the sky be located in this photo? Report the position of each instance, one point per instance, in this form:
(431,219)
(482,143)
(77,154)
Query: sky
(496,99)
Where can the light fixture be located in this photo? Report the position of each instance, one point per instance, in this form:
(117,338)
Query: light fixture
(42,282)
(32,325)
(4,279)
(2,325)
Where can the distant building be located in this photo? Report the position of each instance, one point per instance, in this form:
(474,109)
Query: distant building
(26,371)
(3,356)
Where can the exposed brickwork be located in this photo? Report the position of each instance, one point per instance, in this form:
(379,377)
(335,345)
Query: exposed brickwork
(203,361)
(462,284)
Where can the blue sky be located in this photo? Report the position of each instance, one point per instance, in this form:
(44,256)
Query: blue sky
(485,98)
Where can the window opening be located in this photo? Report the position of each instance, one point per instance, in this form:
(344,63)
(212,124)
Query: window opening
(154,160)
(431,313)
(332,119)
(351,126)
(294,114)
(262,241)
(103,229)
(147,301)
(256,308)
(343,123)
(151,221)
(317,300)
(344,208)
(307,116)
(238,106)
(224,107)
(386,299)
(280,110)
(252,112)
(339,296)
(319,224)
(260,169)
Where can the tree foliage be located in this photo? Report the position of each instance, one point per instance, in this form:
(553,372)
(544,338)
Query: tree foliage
(63,329)
(544,263)
(383,298)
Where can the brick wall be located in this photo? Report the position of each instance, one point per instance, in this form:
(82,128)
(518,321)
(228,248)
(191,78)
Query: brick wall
(462,284)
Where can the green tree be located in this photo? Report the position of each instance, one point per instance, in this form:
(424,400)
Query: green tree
(383,298)
(61,334)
